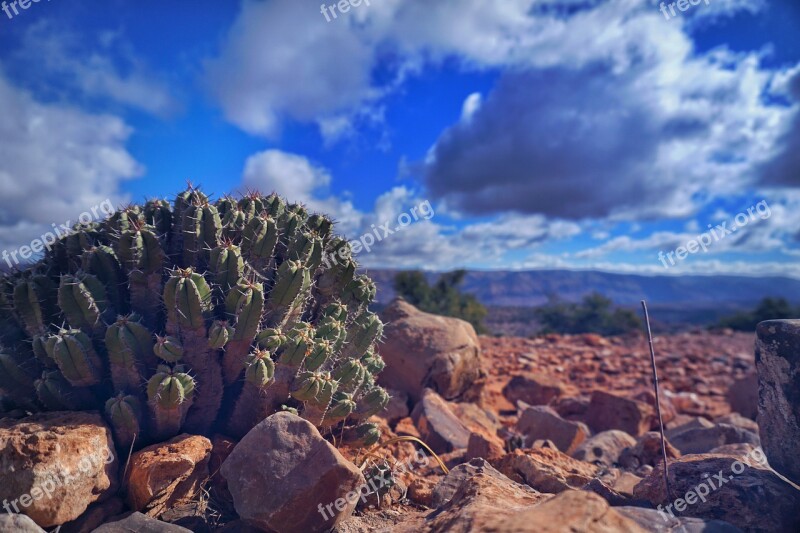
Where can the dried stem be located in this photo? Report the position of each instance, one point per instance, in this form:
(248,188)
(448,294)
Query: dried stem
(658,398)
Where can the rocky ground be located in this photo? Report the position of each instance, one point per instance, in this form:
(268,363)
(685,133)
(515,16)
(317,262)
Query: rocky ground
(545,434)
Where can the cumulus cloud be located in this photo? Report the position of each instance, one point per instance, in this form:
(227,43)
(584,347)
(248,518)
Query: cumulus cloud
(56,162)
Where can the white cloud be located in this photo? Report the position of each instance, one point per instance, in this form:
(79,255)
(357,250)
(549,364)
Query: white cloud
(56,162)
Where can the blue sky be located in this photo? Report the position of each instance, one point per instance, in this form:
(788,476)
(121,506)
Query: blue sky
(545,133)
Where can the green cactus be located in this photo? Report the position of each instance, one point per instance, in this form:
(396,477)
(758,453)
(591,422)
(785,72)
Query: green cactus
(124,412)
(255,301)
(169,395)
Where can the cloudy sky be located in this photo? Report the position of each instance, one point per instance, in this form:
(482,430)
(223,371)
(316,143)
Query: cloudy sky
(544,133)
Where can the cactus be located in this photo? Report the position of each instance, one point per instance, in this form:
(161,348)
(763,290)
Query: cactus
(195,316)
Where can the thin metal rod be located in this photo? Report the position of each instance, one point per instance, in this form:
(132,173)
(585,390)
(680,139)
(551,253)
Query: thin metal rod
(658,398)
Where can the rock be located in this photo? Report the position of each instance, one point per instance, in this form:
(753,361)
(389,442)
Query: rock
(479,446)
(668,411)
(424,350)
(778,365)
(542,422)
(397,407)
(18,523)
(420,491)
(697,422)
(533,390)
(546,470)
(438,426)
(735,450)
(625,482)
(472,495)
(751,497)
(284,476)
(572,510)
(167,474)
(54,465)
(656,522)
(610,495)
(571,408)
(475,418)
(647,451)
(96,515)
(703,440)
(604,448)
(735,419)
(688,403)
(608,411)
(221,448)
(139,523)
(406,427)
(742,396)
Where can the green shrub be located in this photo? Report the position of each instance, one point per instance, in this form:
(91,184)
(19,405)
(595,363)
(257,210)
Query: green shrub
(767,309)
(595,314)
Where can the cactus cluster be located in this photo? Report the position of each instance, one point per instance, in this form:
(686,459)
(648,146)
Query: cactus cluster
(195,316)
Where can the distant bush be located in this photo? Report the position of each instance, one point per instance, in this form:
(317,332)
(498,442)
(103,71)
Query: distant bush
(443,298)
(767,309)
(595,314)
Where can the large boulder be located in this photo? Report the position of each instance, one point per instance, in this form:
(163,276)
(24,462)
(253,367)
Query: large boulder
(424,350)
(166,474)
(778,365)
(542,422)
(604,448)
(54,465)
(609,411)
(742,492)
(285,477)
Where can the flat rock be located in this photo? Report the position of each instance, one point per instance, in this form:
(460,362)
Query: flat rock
(604,448)
(54,465)
(422,350)
(608,411)
(696,422)
(139,523)
(438,426)
(703,440)
(481,446)
(472,494)
(546,470)
(735,419)
(754,499)
(167,474)
(285,477)
(778,365)
(571,510)
(533,390)
(542,422)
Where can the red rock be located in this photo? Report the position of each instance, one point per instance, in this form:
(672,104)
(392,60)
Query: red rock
(541,422)
(608,411)
(604,448)
(742,396)
(545,470)
(442,430)
(167,474)
(532,389)
(57,462)
(283,472)
(479,446)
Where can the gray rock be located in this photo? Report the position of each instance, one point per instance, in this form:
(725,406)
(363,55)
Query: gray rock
(697,422)
(742,396)
(604,448)
(703,440)
(778,365)
(139,523)
(285,477)
(18,523)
